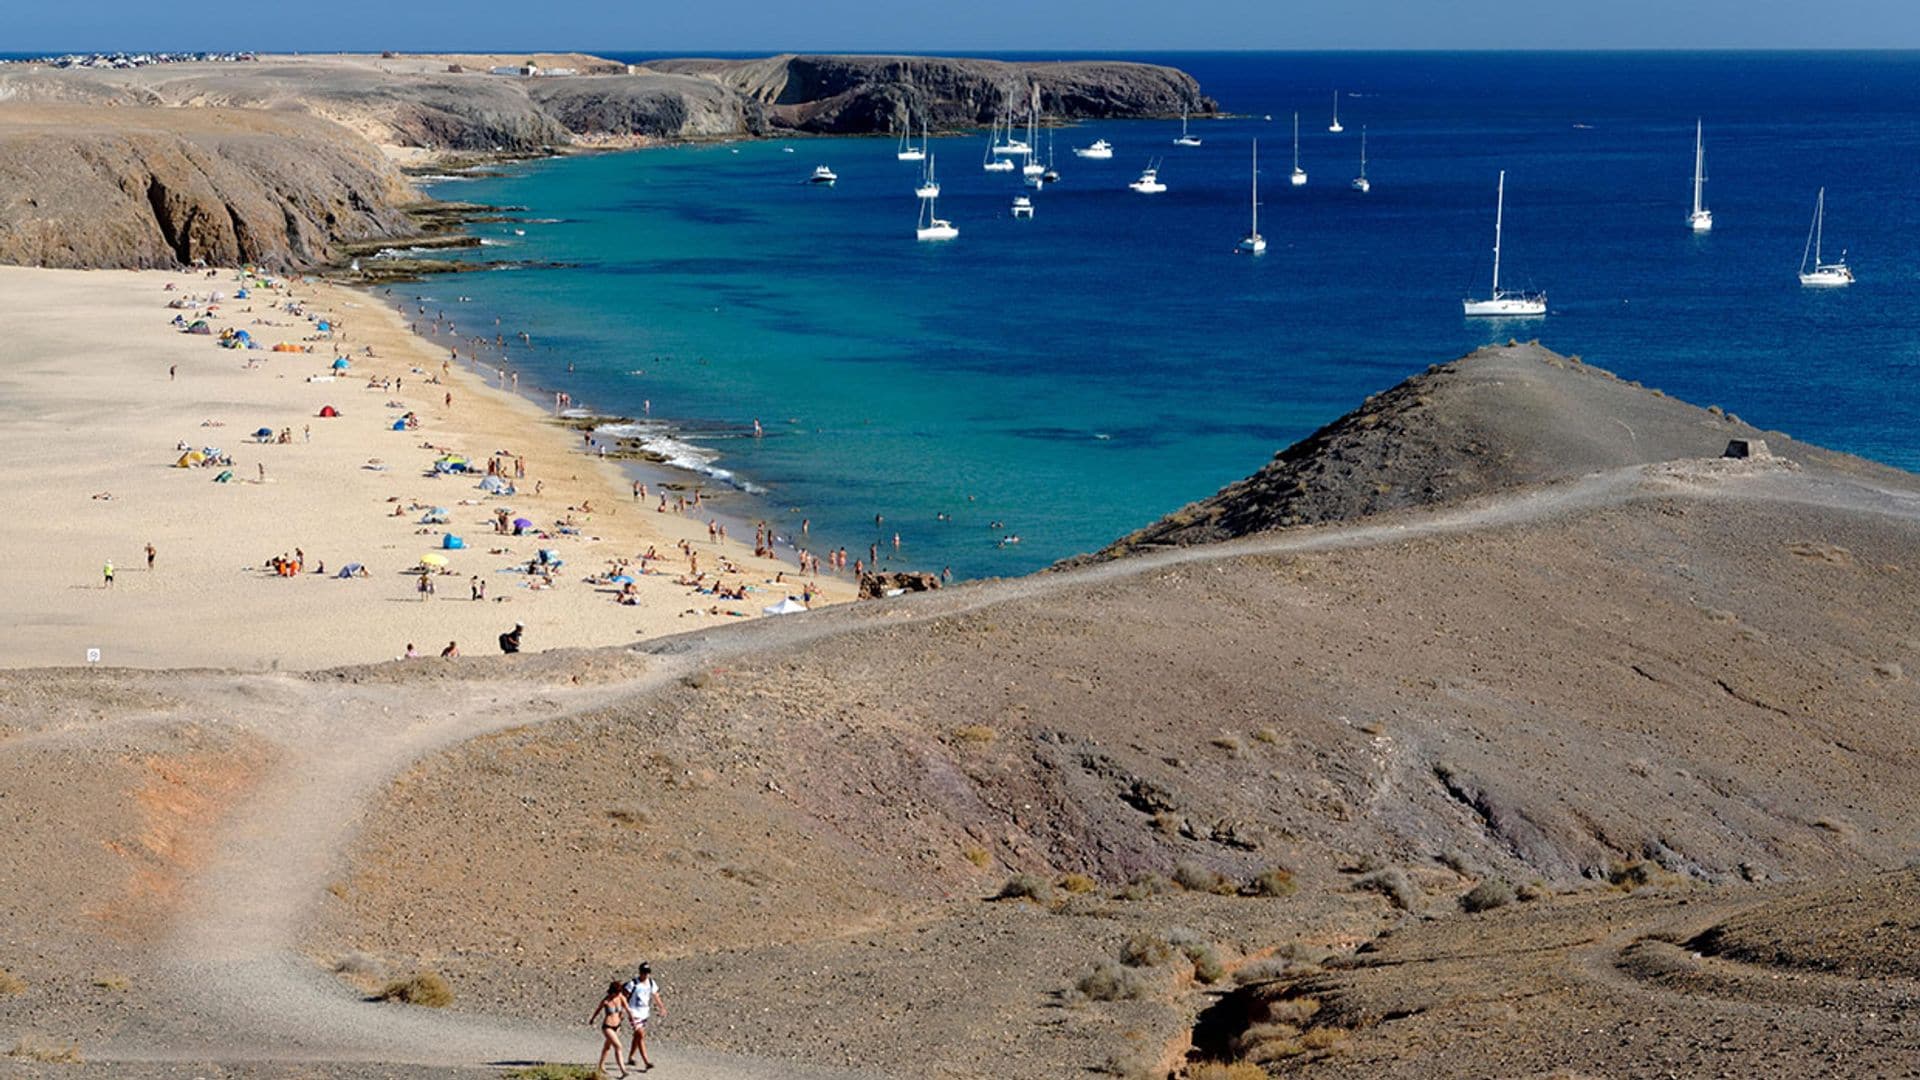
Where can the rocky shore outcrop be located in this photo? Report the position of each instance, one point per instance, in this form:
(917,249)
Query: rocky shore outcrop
(97,187)
(861,94)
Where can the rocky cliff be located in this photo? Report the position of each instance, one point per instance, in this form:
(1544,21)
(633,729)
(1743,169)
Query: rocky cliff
(98,187)
(860,94)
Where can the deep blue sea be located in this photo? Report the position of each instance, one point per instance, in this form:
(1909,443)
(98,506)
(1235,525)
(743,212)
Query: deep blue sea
(1068,378)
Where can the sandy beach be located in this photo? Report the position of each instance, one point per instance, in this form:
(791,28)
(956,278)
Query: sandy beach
(98,391)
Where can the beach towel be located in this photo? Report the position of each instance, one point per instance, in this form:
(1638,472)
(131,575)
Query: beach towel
(225,475)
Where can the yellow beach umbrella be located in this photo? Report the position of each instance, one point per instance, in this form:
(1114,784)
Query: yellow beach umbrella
(433,560)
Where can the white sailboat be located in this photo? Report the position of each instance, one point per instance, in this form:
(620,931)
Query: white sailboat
(1052,175)
(1701,220)
(993,160)
(1185,139)
(1149,182)
(929,187)
(1009,146)
(931,225)
(822,175)
(1361,183)
(908,151)
(1033,168)
(1101,150)
(1335,126)
(1504,303)
(1299,174)
(1823,273)
(1253,243)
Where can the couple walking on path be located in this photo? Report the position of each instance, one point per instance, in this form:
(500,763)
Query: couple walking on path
(634,999)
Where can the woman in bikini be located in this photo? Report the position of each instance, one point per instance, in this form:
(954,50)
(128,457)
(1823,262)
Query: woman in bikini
(607,1015)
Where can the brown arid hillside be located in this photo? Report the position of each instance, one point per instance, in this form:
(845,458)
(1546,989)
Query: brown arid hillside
(1600,772)
(98,186)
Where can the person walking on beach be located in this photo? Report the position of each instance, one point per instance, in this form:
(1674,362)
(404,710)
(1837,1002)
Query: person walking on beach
(643,996)
(172,371)
(107,573)
(607,1015)
(150,554)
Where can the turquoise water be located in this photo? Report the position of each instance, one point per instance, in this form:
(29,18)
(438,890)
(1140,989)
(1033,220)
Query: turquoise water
(1069,378)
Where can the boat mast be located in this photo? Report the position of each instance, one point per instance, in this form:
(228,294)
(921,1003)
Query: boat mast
(1819,227)
(1699,164)
(1296,142)
(1499,211)
(1363,152)
(1256,188)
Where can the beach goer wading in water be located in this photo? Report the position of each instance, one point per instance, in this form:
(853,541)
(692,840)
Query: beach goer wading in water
(607,1015)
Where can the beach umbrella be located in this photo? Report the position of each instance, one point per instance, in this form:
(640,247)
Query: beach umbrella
(433,560)
(263,433)
(620,579)
(789,606)
(522,523)
(349,570)
(341,364)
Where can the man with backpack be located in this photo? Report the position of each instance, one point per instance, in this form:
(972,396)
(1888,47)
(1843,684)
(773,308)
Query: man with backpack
(643,995)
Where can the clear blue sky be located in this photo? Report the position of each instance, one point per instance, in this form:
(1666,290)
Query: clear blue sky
(958,26)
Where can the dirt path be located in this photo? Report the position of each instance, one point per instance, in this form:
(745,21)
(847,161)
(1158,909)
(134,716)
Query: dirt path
(238,987)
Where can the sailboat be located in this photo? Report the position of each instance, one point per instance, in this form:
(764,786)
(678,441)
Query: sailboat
(1052,175)
(1033,168)
(1299,174)
(929,187)
(1504,303)
(1009,146)
(1185,139)
(1823,273)
(1361,183)
(931,225)
(1149,182)
(1253,243)
(993,160)
(908,151)
(1701,220)
(1335,126)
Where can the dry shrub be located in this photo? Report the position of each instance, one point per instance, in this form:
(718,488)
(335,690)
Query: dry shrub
(1026,887)
(111,981)
(975,734)
(1196,878)
(1230,743)
(1489,894)
(1323,1038)
(977,855)
(1254,1041)
(1275,882)
(11,984)
(1078,883)
(1239,1070)
(1208,968)
(1267,735)
(1146,950)
(1111,982)
(426,988)
(1392,883)
(34,1048)
(1531,891)
(1144,886)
